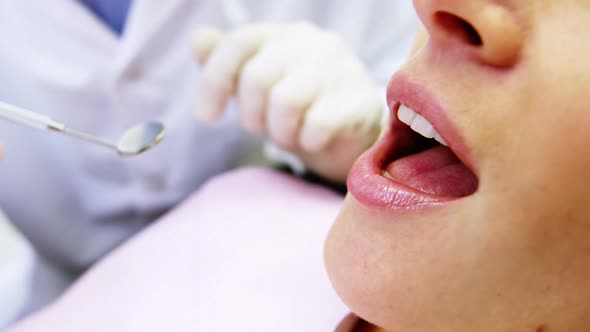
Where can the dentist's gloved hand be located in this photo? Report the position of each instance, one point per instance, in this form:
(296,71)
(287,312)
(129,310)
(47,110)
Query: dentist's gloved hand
(296,84)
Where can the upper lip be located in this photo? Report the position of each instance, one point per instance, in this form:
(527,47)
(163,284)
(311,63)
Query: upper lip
(402,90)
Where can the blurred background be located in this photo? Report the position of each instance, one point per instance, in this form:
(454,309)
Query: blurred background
(16,270)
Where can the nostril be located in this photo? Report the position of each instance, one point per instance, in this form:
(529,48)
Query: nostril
(458,27)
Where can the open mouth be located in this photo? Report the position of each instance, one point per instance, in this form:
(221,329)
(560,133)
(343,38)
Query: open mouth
(420,161)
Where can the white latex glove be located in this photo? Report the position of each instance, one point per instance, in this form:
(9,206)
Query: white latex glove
(298,85)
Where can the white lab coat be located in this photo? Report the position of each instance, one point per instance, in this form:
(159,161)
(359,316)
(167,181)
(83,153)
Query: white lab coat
(75,201)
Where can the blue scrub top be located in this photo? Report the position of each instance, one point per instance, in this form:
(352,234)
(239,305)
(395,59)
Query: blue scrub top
(112,12)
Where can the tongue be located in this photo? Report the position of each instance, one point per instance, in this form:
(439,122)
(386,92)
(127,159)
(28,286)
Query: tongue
(436,171)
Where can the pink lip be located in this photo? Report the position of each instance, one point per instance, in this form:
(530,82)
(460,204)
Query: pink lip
(366,182)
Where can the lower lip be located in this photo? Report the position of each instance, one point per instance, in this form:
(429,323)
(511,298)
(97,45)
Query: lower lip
(369,187)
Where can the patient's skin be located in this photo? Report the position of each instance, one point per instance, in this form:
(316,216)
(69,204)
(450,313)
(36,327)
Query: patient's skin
(514,256)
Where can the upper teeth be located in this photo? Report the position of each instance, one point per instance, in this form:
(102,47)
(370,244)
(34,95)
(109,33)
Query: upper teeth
(419,124)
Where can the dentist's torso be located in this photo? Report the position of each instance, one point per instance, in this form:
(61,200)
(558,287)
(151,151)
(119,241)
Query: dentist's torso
(76,201)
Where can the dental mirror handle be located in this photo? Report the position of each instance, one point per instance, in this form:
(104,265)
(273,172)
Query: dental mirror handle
(28,118)
(31,119)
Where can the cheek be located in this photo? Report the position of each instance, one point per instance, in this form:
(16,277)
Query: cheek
(550,182)
(556,137)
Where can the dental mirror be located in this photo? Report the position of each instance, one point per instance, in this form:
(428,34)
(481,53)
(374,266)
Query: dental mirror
(135,140)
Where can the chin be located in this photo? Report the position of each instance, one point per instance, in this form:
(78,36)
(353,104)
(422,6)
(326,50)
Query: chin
(359,261)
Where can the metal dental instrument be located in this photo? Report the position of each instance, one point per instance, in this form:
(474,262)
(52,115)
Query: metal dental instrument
(134,140)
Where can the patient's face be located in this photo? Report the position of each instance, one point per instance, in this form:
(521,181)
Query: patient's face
(492,234)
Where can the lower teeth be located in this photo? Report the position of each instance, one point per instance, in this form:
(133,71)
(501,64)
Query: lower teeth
(387,175)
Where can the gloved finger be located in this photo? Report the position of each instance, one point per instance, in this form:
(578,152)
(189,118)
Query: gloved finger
(355,115)
(288,102)
(204,41)
(220,74)
(258,77)
(289,48)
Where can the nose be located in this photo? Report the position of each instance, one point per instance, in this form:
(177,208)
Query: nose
(486,30)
